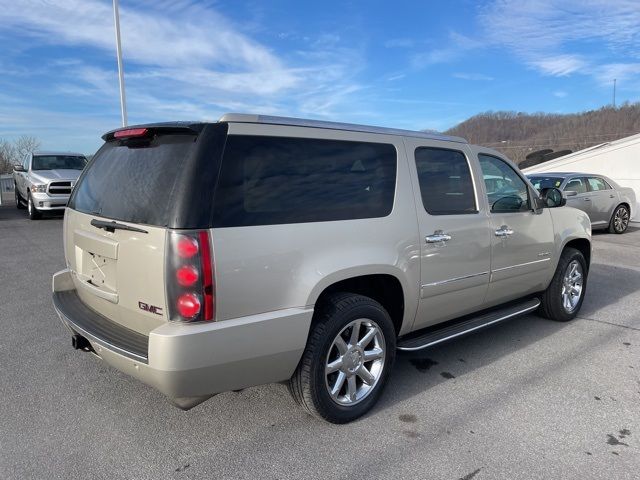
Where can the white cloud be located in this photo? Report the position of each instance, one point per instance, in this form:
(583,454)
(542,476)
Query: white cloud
(480,77)
(399,43)
(183,60)
(560,94)
(457,45)
(551,35)
(561,65)
(622,72)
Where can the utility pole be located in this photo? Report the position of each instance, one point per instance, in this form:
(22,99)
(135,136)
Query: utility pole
(614,93)
(123,101)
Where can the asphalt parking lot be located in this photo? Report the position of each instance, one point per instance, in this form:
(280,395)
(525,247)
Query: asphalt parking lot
(528,399)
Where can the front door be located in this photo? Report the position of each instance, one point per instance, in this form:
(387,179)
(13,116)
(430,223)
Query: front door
(454,232)
(522,239)
(582,199)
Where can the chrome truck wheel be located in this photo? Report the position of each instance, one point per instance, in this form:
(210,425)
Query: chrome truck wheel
(562,299)
(355,362)
(572,286)
(347,360)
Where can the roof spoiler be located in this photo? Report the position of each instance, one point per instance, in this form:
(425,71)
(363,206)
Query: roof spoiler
(152,129)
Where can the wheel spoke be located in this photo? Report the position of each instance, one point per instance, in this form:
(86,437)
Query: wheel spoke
(365,375)
(334,366)
(352,388)
(373,354)
(341,345)
(355,333)
(368,337)
(335,390)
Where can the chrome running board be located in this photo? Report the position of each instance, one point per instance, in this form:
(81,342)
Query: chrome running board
(450,331)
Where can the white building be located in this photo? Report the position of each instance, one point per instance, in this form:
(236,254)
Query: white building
(618,160)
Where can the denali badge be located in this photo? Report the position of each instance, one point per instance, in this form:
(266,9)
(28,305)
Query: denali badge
(150,308)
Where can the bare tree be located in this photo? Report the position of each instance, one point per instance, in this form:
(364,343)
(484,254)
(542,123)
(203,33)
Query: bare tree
(7,156)
(13,153)
(26,144)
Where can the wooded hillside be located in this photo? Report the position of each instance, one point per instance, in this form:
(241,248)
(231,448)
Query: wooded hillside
(518,134)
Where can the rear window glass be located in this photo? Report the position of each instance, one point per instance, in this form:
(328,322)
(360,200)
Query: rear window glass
(278,180)
(540,182)
(58,162)
(134,184)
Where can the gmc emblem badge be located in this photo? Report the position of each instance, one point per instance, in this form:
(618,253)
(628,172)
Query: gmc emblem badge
(150,308)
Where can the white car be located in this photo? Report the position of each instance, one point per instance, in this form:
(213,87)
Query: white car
(44,180)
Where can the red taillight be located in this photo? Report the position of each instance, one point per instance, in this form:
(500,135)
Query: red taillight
(207,275)
(187,275)
(188,305)
(130,132)
(190,276)
(187,247)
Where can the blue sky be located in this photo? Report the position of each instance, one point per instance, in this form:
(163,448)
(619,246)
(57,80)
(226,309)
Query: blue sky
(403,64)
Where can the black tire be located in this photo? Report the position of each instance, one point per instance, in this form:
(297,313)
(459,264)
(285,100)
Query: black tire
(619,220)
(552,306)
(19,204)
(309,385)
(34,214)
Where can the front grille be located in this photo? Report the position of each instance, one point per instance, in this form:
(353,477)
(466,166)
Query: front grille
(60,188)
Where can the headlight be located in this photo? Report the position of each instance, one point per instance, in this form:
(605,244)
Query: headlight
(38,188)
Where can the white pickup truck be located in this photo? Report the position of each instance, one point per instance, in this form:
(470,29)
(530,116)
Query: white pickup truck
(44,180)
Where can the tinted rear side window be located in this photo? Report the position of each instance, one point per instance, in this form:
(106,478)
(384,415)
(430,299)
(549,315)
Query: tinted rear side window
(135,184)
(278,180)
(445,181)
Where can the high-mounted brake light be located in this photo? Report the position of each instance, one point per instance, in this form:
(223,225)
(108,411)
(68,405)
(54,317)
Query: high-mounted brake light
(190,276)
(131,132)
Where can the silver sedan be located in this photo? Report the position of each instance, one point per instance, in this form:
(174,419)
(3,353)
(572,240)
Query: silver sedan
(607,203)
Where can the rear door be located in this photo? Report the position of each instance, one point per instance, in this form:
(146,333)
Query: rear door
(454,231)
(146,185)
(603,200)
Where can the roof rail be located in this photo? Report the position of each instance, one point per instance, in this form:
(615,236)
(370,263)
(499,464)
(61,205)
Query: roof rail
(300,122)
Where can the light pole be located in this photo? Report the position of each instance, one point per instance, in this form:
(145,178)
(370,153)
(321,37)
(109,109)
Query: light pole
(123,100)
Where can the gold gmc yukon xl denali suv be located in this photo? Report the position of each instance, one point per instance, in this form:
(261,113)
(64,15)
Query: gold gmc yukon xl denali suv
(208,257)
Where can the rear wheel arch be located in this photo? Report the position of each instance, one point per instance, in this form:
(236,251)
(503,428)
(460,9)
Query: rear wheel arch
(384,288)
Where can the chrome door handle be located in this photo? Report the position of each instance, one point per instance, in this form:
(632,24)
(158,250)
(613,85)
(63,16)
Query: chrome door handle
(587,199)
(503,231)
(437,237)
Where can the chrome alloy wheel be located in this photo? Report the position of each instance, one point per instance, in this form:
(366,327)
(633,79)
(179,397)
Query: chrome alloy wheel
(29,205)
(572,286)
(621,219)
(355,362)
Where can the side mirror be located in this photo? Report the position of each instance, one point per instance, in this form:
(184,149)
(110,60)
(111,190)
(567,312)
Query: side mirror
(570,193)
(553,197)
(18,168)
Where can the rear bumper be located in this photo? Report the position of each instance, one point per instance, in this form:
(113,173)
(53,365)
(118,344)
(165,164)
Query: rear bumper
(189,363)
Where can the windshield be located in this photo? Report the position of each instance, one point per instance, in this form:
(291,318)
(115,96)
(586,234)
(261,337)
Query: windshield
(540,182)
(58,162)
